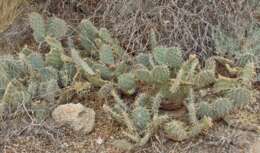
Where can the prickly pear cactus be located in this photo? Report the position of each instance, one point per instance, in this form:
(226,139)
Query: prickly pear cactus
(160,74)
(88,34)
(35,61)
(204,79)
(243,59)
(106,55)
(127,83)
(164,79)
(54,57)
(185,74)
(143,74)
(104,71)
(141,117)
(141,122)
(143,59)
(67,73)
(174,58)
(179,131)
(38,25)
(159,54)
(15,95)
(56,27)
(240,96)
(216,109)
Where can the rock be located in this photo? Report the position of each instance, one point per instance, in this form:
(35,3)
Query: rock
(76,116)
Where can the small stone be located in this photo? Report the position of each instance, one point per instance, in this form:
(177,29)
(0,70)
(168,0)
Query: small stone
(76,116)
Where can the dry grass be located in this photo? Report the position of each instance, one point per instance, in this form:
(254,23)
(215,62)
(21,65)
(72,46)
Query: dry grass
(185,23)
(9,10)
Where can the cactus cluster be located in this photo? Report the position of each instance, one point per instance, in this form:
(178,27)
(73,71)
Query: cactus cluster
(206,94)
(30,77)
(242,46)
(142,121)
(163,77)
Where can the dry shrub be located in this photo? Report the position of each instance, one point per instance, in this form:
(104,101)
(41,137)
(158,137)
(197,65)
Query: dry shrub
(185,23)
(9,10)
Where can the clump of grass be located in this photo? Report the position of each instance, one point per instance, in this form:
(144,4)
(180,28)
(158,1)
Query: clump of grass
(9,10)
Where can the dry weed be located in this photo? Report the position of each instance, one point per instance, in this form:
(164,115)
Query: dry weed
(9,10)
(185,23)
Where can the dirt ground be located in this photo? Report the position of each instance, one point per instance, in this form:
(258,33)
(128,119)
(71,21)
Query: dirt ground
(21,135)
(47,137)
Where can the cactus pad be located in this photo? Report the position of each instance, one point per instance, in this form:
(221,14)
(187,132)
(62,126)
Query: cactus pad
(106,55)
(38,26)
(160,74)
(126,82)
(141,117)
(57,28)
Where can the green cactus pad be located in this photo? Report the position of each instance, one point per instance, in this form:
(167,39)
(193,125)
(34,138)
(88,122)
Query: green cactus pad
(48,90)
(143,75)
(240,96)
(105,72)
(160,74)
(13,68)
(141,117)
(246,58)
(175,130)
(48,73)
(57,27)
(35,61)
(106,55)
(4,80)
(186,73)
(159,54)
(67,73)
(174,58)
(88,34)
(105,35)
(204,79)
(16,94)
(179,131)
(126,82)
(88,30)
(53,58)
(224,83)
(216,109)
(121,68)
(33,88)
(152,39)
(77,59)
(38,26)
(248,73)
(143,59)
(40,110)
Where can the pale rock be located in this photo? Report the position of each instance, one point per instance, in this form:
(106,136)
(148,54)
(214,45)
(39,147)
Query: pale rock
(76,116)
